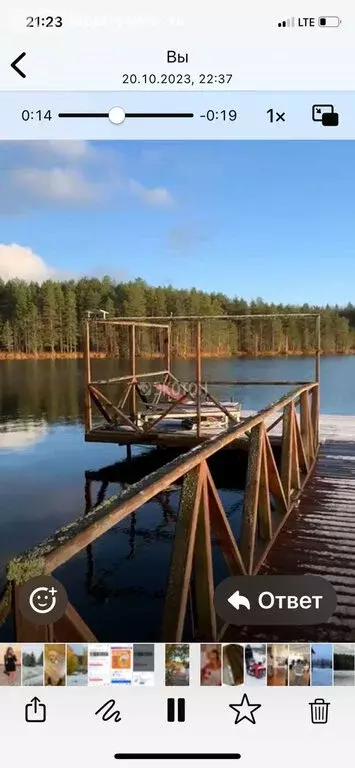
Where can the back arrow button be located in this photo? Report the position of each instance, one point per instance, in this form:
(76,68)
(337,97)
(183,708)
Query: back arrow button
(15,67)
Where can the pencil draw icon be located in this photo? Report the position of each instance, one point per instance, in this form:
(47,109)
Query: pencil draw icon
(108,711)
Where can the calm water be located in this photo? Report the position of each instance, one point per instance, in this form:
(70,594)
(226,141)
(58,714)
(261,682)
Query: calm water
(118,584)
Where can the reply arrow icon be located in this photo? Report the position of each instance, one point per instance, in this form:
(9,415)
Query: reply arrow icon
(237,601)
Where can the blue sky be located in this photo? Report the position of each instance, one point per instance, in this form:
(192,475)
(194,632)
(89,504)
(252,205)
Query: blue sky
(270,219)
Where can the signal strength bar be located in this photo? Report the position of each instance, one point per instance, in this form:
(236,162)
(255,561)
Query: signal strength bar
(287,22)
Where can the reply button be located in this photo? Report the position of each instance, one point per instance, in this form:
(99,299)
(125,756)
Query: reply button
(277,600)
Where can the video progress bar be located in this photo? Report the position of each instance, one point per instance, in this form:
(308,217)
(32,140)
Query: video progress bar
(177,756)
(129,114)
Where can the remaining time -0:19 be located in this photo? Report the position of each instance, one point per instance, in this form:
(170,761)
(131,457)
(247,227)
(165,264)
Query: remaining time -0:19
(220,114)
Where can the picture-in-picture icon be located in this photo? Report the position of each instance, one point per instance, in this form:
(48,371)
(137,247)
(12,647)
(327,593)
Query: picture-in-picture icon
(325,114)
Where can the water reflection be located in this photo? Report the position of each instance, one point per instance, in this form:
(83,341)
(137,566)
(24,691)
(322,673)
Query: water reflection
(128,567)
(15,436)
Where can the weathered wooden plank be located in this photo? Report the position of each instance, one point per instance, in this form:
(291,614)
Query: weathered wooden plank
(275,484)
(264,506)
(287,451)
(182,558)
(115,408)
(149,426)
(203,580)
(305,424)
(220,406)
(251,497)
(222,531)
(315,417)
(72,629)
(295,464)
(100,407)
(125,396)
(301,450)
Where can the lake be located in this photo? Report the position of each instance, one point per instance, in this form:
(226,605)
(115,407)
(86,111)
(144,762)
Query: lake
(117,584)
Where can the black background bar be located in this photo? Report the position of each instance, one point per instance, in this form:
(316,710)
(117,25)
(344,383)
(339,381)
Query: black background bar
(177,756)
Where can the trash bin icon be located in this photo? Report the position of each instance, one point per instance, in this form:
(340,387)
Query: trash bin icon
(319,711)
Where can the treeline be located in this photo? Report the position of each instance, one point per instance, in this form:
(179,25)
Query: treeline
(47,318)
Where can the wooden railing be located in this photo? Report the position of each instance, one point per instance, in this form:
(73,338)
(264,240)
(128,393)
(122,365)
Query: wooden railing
(270,494)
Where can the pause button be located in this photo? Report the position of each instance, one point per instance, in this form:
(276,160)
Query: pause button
(176,710)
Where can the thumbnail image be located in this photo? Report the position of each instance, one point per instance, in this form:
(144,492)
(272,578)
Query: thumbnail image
(177,664)
(121,664)
(143,664)
(54,664)
(344,664)
(77,664)
(299,664)
(233,664)
(10,664)
(211,664)
(277,664)
(255,664)
(322,664)
(32,664)
(99,664)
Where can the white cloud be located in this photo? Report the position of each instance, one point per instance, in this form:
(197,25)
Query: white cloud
(16,261)
(69,149)
(157,196)
(56,184)
(68,175)
(66,149)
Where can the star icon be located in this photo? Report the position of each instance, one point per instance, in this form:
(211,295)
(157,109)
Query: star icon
(245,710)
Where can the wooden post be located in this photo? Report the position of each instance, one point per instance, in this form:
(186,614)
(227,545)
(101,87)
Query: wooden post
(182,557)
(167,348)
(264,506)
(251,498)
(318,350)
(87,378)
(133,371)
(198,378)
(315,417)
(286,452)
(304,422)
(203,568)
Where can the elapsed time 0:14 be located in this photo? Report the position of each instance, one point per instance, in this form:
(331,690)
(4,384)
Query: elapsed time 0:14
(39,115)
(227,115)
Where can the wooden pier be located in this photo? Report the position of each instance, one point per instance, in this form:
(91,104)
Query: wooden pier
(271,494)
(192,415)
(298,514)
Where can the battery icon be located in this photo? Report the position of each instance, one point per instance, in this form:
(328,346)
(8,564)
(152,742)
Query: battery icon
(329,21)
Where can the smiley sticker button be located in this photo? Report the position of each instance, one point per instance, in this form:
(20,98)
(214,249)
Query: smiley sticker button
(42,600)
